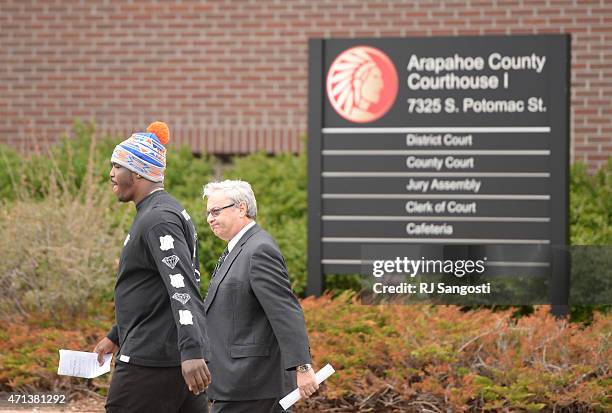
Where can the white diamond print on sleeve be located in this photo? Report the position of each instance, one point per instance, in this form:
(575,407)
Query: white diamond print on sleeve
(181,297)
(171,261)
(185,317)
(166,242)
(177,280)
(127,239)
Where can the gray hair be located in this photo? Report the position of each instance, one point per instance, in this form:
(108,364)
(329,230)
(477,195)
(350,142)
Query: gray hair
(237,191)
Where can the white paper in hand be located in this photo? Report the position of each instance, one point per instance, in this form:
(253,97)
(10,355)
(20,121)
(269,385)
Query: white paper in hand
(321,375)
(82,364)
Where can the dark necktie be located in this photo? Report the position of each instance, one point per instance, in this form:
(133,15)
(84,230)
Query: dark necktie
(221,259)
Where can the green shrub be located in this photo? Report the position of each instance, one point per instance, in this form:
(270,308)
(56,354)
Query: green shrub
(62,256)
(61,242)
(280,186)
(279,182)
(10,172)
(590,224)
(591,205)
(64,166)
(70,225)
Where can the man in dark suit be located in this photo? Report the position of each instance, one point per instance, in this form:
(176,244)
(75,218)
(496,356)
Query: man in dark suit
(258,343)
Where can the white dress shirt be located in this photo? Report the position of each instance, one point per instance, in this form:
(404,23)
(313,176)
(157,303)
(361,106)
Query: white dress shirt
(232,243)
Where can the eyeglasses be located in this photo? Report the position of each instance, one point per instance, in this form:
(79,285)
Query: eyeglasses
(215,212)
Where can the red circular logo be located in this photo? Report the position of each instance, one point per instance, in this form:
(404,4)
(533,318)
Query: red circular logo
(362,84)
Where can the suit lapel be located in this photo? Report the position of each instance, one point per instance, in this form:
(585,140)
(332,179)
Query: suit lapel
(221,273)
(224,269)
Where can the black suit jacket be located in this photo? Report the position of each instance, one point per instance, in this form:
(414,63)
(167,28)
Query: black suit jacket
(256,326)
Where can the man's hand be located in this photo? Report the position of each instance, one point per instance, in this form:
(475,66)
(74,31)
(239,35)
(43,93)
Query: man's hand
(307,383)
(196,375)
(105,346)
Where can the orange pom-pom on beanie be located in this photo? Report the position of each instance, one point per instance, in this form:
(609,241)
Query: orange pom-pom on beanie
(160,129)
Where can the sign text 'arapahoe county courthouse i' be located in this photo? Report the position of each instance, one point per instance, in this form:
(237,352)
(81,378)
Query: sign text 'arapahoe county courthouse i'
(452,141)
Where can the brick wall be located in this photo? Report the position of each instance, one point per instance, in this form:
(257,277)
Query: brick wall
(231,75)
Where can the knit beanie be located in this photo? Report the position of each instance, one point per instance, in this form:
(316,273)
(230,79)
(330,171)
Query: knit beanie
(145,152)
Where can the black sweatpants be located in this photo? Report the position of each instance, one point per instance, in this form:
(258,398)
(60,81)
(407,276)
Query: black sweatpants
(138,389)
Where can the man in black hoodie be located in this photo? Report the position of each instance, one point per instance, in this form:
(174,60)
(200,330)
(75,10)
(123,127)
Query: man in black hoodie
(160,331)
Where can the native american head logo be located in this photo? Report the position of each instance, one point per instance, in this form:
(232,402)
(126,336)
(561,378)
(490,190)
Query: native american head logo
(362,84)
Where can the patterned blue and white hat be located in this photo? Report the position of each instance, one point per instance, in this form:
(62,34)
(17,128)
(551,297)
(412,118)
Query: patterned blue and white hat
(144,152)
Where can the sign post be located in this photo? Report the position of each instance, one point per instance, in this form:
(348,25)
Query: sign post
(451,141)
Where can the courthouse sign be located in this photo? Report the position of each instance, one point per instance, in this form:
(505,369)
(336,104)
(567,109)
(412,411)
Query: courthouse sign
(453,141)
